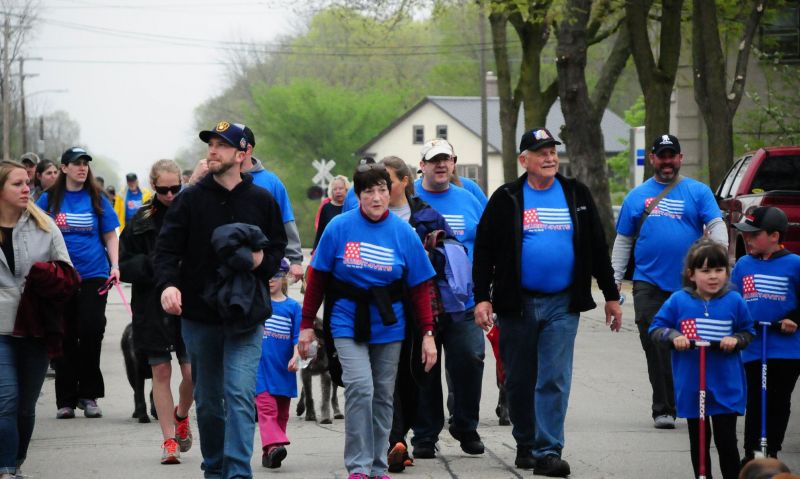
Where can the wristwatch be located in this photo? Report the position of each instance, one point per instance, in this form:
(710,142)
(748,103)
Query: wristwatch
(429,333)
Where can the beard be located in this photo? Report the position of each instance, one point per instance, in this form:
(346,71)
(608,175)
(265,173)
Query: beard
(222,166)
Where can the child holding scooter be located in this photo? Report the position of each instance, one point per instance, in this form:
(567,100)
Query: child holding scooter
(706,310)
(769,279)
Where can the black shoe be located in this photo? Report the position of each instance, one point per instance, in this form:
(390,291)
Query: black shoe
(551,466)
(273,458)
(470,441)
(424,450)
(525,459)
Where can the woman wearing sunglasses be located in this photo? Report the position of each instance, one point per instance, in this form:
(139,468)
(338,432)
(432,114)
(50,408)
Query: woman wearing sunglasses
(157,334)
(374,275)
(27,236)
(88,223)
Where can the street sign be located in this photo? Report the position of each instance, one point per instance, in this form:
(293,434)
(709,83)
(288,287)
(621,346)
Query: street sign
(638,157)
(323,176)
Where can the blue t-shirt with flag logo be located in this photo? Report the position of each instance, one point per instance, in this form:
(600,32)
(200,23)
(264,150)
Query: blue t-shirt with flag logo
(363,253)
(459,208)
(83,229)
(548,258)
(770,288)
(695,318)
(133,201)
(350,201)
(669,231)
(270,182)
(281,331)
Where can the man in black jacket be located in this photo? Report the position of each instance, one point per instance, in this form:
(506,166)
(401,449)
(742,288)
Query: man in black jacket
(539,243)
(224,355)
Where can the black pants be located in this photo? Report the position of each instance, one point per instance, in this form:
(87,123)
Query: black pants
(78,373)
(782,375)
(724,433)
(647,300)
(405,397)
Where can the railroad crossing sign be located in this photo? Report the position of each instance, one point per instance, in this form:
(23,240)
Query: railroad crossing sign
(323,176)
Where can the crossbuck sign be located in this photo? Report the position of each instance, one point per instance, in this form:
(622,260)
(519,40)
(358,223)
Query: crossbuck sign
(323,176)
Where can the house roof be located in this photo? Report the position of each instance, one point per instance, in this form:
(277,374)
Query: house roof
(466,110)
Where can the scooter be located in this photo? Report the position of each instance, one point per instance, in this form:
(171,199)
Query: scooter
(702,346)
(763,443)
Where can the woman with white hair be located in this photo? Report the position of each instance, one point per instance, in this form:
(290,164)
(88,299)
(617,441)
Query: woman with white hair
(337,190)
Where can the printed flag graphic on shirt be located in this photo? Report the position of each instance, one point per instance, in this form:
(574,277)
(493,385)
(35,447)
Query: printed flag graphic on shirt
(666,207)
(278,326)
(74,221)
(546,218)
(365,254)
(767,286)
(708,329)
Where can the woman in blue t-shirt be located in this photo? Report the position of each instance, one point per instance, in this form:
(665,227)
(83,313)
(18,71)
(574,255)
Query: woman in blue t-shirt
(88,223)
(369,264)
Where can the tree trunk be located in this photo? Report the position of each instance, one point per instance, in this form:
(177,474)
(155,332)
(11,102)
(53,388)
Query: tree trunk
(582,133)
(509,108)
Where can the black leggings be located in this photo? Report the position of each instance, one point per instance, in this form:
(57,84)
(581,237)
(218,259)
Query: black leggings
(78,373)
(724,432)
(781,377)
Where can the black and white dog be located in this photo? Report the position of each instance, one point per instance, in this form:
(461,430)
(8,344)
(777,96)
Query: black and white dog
(319,367)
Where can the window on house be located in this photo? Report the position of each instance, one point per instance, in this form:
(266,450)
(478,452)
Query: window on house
(419,134)
(473,172)
(779,34)
(441,131)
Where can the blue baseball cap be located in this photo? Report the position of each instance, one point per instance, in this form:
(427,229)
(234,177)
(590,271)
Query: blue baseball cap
(232,133)
(74,154)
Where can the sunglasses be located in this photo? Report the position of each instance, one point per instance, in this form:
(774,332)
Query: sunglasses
(370,167)
(163,190)
(441,159)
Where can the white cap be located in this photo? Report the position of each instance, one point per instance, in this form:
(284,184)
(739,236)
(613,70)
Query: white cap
(435,147)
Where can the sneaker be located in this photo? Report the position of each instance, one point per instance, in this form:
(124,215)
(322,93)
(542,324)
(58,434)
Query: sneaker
(7,475)
(183,432)
(424,450)
(170,453)
(470,441)
(664,422)
(358,475)
(396,458)
(273,457)
(525,459)
(382,476)
(551,466)
(408,461)
(90,407)
(65,413)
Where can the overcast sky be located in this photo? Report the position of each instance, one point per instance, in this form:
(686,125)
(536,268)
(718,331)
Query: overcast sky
(136,69)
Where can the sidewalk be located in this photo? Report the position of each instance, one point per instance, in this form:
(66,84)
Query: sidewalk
(609,432)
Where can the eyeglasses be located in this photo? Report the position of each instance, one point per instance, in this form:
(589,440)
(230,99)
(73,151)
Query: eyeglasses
(441,159)
(163,190)
(369,167)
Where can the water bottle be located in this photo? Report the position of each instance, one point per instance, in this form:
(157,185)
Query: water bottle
(312,353)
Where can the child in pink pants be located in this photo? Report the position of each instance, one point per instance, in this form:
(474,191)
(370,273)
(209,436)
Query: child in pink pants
(276,383)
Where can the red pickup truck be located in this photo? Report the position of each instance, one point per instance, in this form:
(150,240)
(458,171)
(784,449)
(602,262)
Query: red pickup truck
(767,177)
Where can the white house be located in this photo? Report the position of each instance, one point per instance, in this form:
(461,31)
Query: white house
(458,119)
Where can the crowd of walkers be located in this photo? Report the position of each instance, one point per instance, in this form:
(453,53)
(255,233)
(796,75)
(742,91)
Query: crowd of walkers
(406,270)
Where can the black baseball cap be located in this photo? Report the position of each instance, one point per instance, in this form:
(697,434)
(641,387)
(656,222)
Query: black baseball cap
(537,138)
(665,142)
(73,154)
(130,177)
(766,218)
(248,135)
(231,133)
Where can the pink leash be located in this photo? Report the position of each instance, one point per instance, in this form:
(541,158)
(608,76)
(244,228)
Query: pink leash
(122,295)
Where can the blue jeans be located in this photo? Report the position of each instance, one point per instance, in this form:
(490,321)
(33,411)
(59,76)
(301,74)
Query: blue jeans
(537,355)
(23,364)
(224,367)
(368,373)
(464,347)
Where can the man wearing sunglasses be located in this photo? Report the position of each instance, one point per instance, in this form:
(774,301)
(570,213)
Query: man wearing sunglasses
(224,354)
(462,339)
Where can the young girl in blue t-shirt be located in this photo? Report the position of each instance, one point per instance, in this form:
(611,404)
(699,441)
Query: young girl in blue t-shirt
(276,382)
(706,309)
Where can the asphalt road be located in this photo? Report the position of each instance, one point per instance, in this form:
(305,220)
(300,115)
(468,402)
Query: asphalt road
(609,432)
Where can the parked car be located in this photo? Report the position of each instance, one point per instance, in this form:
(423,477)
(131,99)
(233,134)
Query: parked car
(767,177)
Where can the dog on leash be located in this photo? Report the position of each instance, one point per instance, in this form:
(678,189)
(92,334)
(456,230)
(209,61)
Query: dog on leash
(319,367)
(137,369)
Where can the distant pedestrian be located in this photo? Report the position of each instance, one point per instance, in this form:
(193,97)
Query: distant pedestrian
(27,236)
(539,244)
(223,341)
(186,176)
(337,190)
(29,160)
(277,371)
(155,333)
(769,279)
(88,223)
(45,177)
(133,198)
(706,309)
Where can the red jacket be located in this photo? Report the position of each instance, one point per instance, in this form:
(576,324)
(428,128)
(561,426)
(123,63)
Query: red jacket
(49,286)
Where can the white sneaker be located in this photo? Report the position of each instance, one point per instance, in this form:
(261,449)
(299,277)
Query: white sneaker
(664,422)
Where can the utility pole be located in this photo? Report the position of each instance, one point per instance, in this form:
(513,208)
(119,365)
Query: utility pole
(6,89)
(484,126)
(22,77)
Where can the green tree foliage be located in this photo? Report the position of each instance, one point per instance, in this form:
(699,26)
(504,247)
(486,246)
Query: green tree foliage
(620,164)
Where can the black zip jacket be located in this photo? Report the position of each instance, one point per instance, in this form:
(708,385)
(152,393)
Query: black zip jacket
(184,255)
(497,261)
